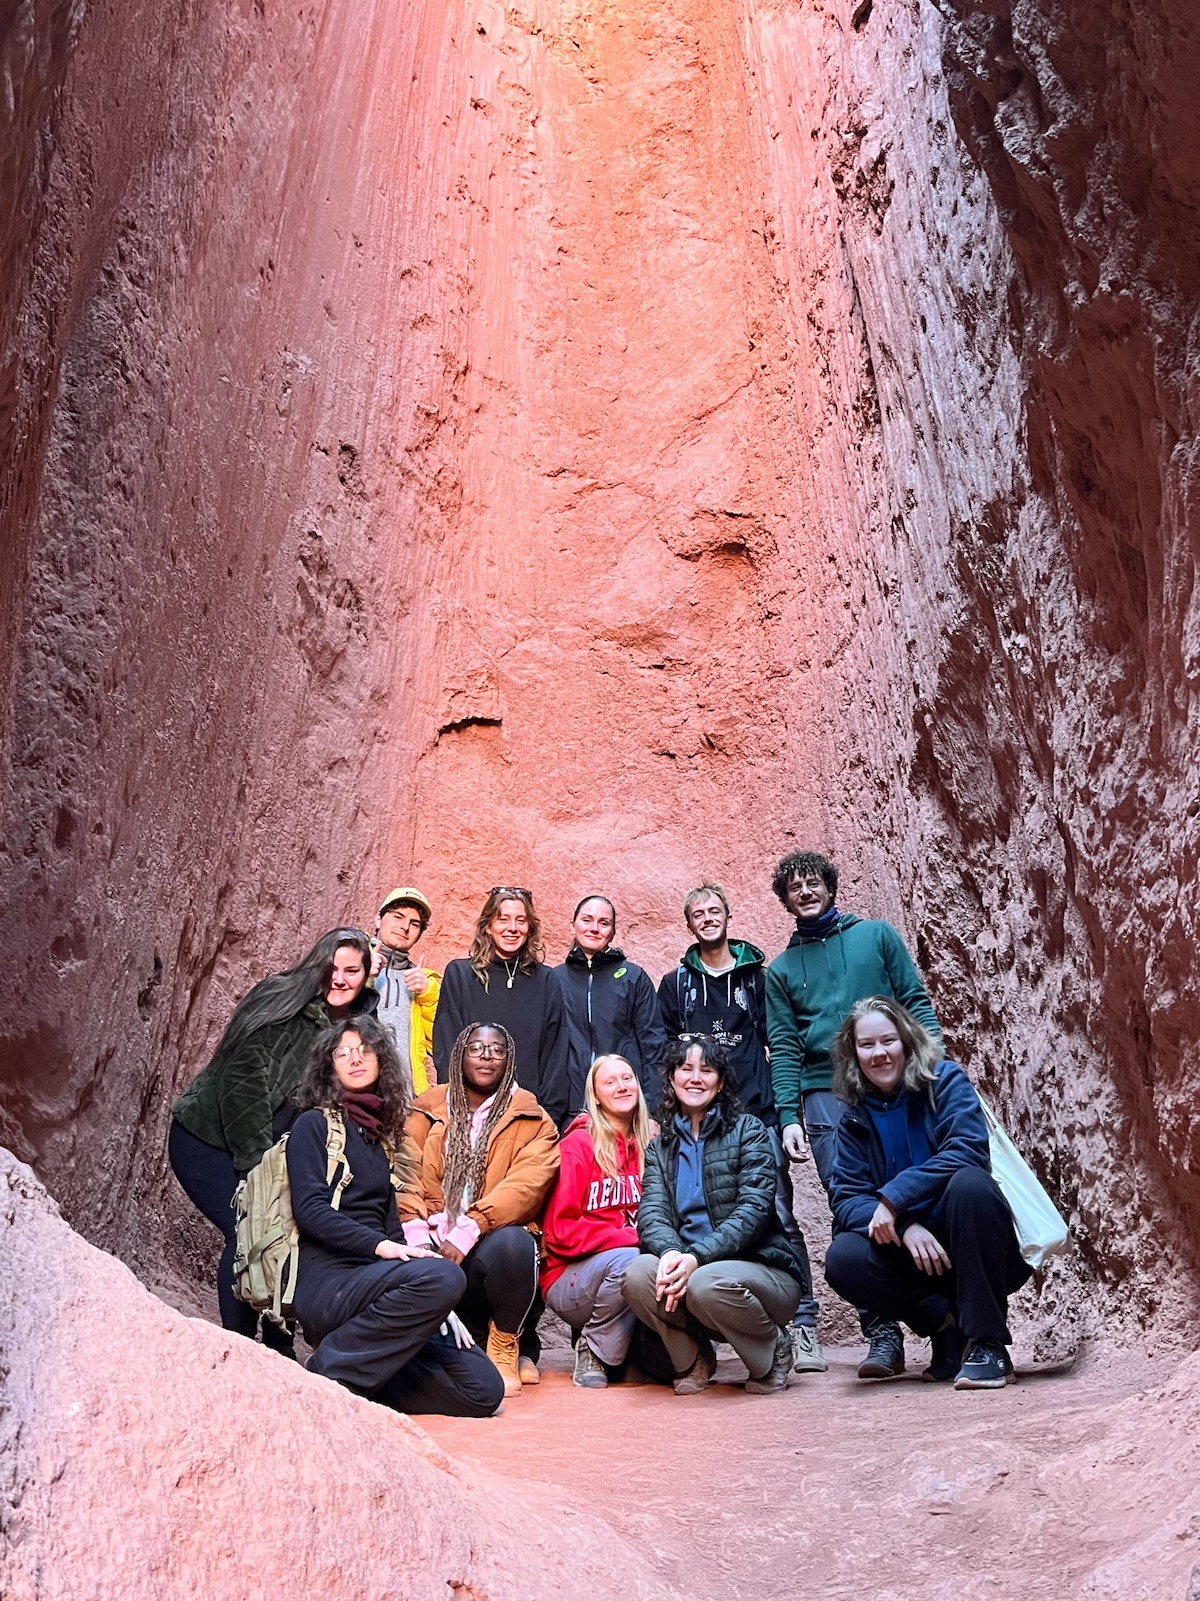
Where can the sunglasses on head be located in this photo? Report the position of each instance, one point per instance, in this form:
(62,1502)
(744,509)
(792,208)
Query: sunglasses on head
(511,889)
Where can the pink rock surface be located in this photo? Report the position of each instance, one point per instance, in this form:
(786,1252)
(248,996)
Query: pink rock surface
(149,1454)
(603,447)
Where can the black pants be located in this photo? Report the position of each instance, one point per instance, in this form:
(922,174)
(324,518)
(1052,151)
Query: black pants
(502,1286)
(974,1224)
(208,1179)
(444,1380)
(367,1319)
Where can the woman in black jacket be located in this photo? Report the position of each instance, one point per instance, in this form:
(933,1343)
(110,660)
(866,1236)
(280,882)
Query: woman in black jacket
(716,1263)
(378,1311)
(237,1107)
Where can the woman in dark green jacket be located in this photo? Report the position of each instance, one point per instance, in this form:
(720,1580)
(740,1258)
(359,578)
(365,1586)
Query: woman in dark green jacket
(234,1110)
(716,1261)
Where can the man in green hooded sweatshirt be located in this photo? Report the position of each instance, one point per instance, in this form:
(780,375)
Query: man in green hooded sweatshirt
(832,960)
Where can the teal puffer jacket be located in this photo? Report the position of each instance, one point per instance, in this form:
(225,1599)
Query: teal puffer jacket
(739,1191)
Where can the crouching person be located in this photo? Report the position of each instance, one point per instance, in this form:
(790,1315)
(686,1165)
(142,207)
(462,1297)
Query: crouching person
(922,1232)
(483,1157)
(716,1262)
(375,1308)
(589,1233)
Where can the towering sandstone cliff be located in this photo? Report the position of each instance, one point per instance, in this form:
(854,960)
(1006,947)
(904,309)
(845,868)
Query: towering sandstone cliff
(596,445)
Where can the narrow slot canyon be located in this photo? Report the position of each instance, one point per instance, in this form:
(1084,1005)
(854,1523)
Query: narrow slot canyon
(598,446)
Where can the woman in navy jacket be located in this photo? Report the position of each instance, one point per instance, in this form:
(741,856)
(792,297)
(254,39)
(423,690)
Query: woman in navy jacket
(378,1311)
(922,1232)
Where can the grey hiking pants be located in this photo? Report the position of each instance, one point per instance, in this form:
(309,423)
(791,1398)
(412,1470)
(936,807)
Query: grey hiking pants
(588,1297)
(743,1303)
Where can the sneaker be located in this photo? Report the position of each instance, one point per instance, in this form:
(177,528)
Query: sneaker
(945,1355)
(589,1371)
(885,1354)
(502,1354)
(699,1376)
(987,1367)
(807,1355)
(774,1381)
(527,1369)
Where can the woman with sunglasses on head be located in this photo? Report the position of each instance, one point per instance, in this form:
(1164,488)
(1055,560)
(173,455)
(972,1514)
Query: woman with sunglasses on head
(378,1311)
(504,980)
(237,1107)
(717,1262)
(483,1156)
(589,1232)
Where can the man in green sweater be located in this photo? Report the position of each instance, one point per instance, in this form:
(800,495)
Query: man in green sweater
(832,960)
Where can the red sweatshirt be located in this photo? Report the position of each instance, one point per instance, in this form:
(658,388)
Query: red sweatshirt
(588,1210)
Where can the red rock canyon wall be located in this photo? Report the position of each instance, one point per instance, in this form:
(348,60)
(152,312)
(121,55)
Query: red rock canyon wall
(601,446)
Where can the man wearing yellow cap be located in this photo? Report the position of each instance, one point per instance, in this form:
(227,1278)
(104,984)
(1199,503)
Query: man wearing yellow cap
(408,995)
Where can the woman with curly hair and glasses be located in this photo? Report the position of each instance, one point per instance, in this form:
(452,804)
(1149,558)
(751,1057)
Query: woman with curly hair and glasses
(378,1311)
(239,1105)
(716,1260)
(504,980)
(483,1156)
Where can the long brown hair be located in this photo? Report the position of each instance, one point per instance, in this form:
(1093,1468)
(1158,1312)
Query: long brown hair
(483,952)
(606,1137)
(463,1163)
(922,1053)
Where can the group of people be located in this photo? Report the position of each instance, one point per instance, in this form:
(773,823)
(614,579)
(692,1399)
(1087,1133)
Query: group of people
(467,1148)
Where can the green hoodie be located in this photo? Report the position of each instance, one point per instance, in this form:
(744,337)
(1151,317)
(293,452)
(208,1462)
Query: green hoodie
(814,983)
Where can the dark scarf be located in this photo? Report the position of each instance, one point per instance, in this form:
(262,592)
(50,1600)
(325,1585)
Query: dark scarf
(818,927)
(365,1109)
(391,958)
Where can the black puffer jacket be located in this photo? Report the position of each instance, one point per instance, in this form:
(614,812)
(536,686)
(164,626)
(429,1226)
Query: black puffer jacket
(611,1008)
(739,1191)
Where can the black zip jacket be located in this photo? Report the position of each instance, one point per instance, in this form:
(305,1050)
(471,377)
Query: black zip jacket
(611,1009)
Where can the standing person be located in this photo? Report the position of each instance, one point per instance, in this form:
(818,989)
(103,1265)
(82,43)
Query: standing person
(832,960)
(378,1312)
(504,980)
(237,1107)
(610,1003)
(923,1231)
(717,990)
(408,994)
(589,1232)
(716,1261)
(483,1157)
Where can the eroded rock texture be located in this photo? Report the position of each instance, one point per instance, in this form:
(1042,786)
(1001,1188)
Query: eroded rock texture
(601,447)
(148,1452)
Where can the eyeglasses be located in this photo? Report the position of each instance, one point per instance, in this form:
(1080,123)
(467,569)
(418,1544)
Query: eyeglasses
(487,1050)
(345,1052)
(511,889)
(812,882)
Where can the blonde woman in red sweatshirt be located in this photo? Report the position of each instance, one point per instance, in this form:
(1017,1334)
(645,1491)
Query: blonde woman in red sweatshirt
(589,1235)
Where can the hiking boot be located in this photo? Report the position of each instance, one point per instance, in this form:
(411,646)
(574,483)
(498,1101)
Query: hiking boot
(987,1367)
(699,1375)
(589,1371)
(502,1354)
(885,1354)
(807,1355)
(945,1355)
(774,1381)
(527,1369)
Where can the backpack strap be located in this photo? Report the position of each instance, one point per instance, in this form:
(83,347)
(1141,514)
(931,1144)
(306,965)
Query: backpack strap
(335,1155)
(392,1152)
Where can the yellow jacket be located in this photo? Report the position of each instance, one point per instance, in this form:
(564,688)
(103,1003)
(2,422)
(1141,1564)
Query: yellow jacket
(420,1044)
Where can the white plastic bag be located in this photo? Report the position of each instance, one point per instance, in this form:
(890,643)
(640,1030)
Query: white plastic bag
(1041,1232)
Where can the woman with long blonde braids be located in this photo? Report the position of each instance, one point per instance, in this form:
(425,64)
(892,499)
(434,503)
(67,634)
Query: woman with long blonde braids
(590,1228)
(484,1156)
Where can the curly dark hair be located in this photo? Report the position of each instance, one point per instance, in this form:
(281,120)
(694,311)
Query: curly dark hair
(714,1055)
(320,1089)
(803,864)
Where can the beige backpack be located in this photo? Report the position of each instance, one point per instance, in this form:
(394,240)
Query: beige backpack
(267,1257)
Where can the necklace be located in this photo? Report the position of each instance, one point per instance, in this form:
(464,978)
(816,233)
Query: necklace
(511,971)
